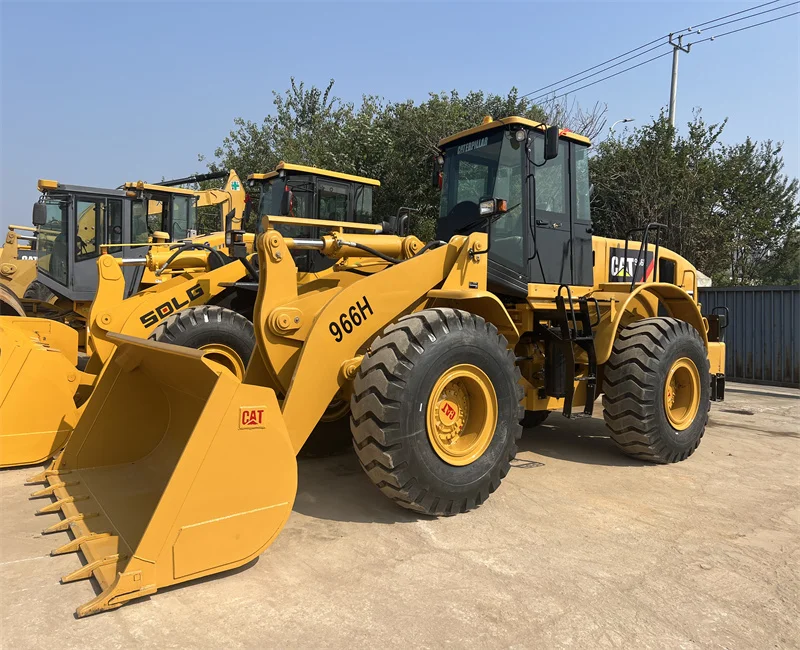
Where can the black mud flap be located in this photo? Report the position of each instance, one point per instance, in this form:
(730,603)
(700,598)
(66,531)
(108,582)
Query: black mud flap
(718,387)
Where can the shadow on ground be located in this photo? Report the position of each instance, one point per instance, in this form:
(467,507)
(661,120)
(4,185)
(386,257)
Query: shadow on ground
(337,488)
(576,441)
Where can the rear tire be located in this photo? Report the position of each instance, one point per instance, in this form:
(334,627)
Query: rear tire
(38,291)
(403,382)
(224,335)
(657,390)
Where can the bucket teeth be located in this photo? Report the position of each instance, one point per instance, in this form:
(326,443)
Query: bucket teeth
(45,492)
(65,524)
(41,477)
(57,505)
(75,544)
(86,571)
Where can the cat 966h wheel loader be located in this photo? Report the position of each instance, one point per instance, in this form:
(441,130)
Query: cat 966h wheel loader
(439,349)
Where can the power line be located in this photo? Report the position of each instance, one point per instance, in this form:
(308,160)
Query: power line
(736,20)
(686,31)
(577,74)
(741,29)
(735,13)
(659,56)
(594,74)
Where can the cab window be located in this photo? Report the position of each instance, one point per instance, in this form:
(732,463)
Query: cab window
(114,237)
(582,212)
(184,217)
(551,186)
(364,204)
(139,230)
(91,220)
(332,201)
(52,241)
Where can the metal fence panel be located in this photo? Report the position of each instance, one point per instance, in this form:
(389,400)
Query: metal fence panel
(762,339)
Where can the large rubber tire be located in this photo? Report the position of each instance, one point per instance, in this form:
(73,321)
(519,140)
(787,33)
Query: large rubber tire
(210,325)
(38,291)
(389,410)
(534,418)
(634,384)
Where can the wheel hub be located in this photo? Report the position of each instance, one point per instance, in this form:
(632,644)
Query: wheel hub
(682,393)
(226,356)
(462,414)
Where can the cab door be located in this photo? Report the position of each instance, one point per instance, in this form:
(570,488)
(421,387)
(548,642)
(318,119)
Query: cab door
(550,257)
(102,221)
(98,221)
(582,254)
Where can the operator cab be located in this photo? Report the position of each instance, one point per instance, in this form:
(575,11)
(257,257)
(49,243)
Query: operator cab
(75,222)
(160,209)
(311,193)
(511,160)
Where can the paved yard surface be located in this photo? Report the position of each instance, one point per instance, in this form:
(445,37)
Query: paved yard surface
(580,547)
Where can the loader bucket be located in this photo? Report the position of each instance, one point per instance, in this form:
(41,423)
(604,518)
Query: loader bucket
(175,471)
(38,380)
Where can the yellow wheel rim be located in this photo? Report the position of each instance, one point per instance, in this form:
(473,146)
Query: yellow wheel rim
(225,356)
(682,393)
(462,414)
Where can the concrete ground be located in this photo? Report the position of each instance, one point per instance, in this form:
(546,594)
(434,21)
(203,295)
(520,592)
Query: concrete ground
(579,547)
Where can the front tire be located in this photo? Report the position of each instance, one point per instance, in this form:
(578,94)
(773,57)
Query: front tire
(657,390)
(435,410)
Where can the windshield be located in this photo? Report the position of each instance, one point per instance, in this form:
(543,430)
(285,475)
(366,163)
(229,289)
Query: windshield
(266,203)
(52,241)
(488,166)
(299,204)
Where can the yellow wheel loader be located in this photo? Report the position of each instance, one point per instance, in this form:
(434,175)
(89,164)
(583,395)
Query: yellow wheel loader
(439,349)
(75,222)
(200,298)
(17,268)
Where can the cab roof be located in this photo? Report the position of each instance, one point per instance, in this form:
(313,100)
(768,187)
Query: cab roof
(303,169)
(489,125)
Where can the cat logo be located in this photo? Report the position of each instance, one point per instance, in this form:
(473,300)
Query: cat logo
(624,269)
(251,417)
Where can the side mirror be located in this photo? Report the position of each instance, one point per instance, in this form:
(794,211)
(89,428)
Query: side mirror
(287,202)
(39,217)
(229,227)
(551,142)
(491,207)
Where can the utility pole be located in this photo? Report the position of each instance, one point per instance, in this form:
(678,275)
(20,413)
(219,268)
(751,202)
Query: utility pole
(673,93)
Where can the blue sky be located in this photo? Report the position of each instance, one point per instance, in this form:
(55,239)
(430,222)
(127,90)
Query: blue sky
(97,94)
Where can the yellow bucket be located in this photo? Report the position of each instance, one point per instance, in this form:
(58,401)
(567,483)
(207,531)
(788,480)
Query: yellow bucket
(175,470)
(38,381)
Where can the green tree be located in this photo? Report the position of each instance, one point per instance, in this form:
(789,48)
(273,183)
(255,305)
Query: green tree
(761,214)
